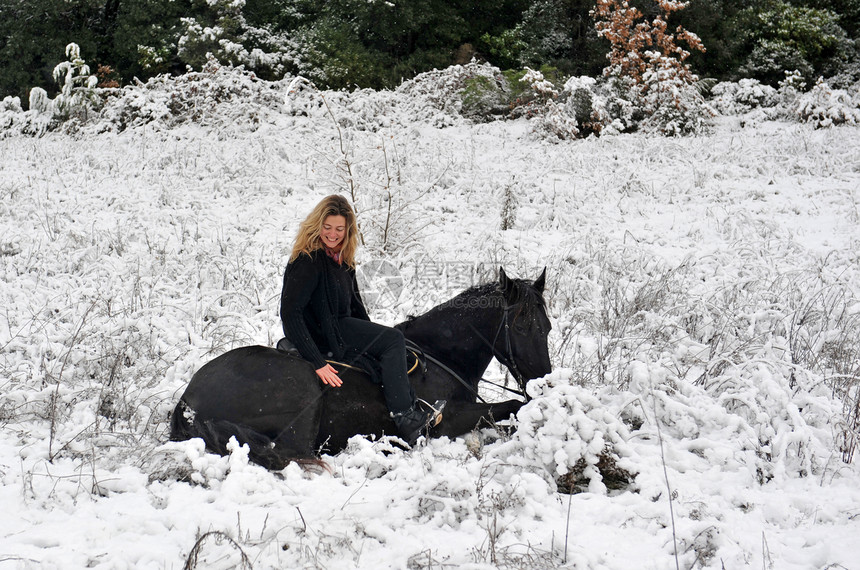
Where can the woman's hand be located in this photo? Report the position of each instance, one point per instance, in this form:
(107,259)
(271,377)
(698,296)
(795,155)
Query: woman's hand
(329,376)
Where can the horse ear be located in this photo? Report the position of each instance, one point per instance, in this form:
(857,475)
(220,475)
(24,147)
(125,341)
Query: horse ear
(505,283)
(540,282)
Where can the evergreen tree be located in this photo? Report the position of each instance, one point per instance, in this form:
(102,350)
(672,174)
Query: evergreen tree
(715,24)
(779,37)
(34,35)
(561,34)
(146,36)
(219,28)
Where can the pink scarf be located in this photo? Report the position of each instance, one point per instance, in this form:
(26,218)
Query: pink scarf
(336,255)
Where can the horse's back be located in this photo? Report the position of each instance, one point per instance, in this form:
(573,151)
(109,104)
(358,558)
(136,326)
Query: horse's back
(263,397)
(252,383)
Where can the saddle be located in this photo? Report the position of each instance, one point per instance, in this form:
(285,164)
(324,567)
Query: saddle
(413,360)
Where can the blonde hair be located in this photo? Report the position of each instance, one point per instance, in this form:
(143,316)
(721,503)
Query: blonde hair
(308,238)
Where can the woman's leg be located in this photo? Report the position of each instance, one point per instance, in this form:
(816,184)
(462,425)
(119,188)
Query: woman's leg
(386,345)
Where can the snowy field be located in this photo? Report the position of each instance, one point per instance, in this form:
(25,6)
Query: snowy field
(705,299)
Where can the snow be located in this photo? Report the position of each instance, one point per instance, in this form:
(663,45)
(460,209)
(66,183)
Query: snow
(703,292)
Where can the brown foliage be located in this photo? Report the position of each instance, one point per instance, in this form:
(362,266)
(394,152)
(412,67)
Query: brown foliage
(108,78)
(639,45)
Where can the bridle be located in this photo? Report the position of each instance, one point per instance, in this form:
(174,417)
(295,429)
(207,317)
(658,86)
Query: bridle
(507,358)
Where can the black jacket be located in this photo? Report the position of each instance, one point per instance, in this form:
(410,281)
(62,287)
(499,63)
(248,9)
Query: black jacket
(317,292)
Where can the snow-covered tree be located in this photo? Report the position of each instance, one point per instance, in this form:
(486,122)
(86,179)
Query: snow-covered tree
(783,37)
(221,30)
(649,66)
(77,85)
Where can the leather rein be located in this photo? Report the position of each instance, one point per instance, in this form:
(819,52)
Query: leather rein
(505,359)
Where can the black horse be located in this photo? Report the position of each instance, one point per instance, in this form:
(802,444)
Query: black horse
(273,400)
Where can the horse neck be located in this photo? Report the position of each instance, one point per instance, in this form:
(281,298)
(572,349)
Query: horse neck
(459,334)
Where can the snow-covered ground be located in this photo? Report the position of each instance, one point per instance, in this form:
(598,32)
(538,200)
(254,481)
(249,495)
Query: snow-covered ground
(704,292)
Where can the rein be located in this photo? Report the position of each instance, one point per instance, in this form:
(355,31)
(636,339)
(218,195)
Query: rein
(506,359)
(414,347)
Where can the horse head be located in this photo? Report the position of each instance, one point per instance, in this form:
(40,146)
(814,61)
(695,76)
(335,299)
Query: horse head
(521,345)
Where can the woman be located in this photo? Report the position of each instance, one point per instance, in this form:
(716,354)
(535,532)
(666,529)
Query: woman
(322,313)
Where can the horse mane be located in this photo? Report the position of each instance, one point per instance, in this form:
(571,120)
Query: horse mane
(523,292)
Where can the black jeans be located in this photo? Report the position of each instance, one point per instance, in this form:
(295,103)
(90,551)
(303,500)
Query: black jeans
(386,345)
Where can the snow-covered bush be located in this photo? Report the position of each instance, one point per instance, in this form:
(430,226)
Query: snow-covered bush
(217,95)
(737,98)
(792,425)
(485,99)
(10,104)
(586,100)
(553,123)
(571,435)
(438,96)
(40,102)
(786,430)
(671,102)
(824,106)
(36,121)
(649,66)
(481,92)
(10,113)
(550,120)
(543,89)
(78,100)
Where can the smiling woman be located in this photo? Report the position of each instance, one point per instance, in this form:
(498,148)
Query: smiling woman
(333,232)
(322,312)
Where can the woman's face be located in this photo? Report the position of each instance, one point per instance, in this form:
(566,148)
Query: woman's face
(333,231)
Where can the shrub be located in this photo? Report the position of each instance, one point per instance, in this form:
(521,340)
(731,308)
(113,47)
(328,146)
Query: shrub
(672,103)
(15,121)
(769,58)
(532,92)
(10,113)
(537,98)
(484,98)
(217,95)
(735,98)
(441,95)
(824,106)
(554,123)
(580,444)
(597,106)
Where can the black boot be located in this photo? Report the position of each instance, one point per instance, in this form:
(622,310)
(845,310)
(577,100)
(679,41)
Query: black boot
(414,423)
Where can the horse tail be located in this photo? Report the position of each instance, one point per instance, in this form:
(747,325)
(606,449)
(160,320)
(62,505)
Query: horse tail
(184,424)
(180,427)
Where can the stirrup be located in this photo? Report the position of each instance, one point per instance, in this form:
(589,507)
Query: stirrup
(435,411)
